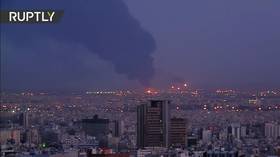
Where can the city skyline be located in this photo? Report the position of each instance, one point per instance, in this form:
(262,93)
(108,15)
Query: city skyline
(180,124)
(139,78)
(211,44)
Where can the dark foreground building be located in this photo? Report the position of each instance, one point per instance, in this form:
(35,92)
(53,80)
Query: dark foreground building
(98,128)
(153,124)
(178,133)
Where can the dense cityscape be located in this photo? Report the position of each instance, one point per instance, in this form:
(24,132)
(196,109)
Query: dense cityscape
(139,78)
(179,122)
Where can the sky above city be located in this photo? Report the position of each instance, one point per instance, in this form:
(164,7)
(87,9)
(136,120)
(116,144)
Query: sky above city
(117,44)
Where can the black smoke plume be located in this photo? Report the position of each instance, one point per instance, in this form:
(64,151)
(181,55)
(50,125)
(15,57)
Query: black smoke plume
(105,27)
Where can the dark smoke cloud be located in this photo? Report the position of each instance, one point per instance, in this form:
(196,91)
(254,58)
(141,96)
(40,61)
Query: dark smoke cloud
(105,27)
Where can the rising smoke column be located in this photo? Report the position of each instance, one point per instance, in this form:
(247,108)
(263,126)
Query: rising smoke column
(105,27)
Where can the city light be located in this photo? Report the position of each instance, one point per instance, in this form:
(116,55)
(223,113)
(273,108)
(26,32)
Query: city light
(134,78)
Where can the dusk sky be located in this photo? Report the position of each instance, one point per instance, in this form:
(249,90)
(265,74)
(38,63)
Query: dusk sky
(114,44)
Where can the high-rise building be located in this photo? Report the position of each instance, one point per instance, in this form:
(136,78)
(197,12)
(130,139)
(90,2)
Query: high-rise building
(115,127)
(24,118)
(178,132)
(153,121)
(236,130)
(33,136)
(272,130)
(243,131)
(206,136)
(13,119)
(97,127)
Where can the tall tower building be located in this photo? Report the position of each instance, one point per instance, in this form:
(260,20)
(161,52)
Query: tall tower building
(26,120)
(178,132)
(206,135)
(153,121)
(97,127)
(236,130)
(115,127)
(272,130)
